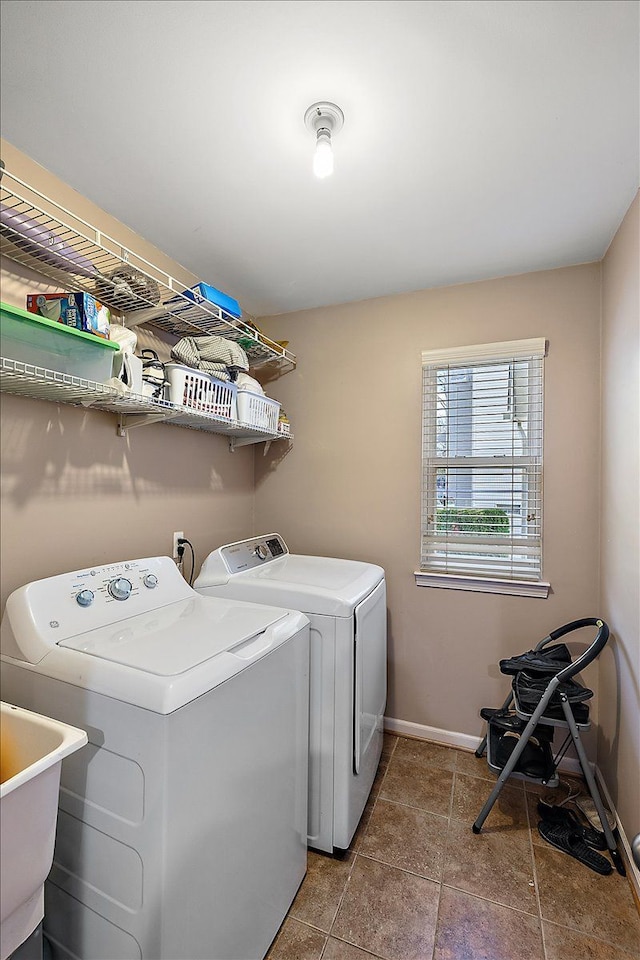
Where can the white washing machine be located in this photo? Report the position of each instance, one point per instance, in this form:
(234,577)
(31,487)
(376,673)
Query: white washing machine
(345,601)
(182,825)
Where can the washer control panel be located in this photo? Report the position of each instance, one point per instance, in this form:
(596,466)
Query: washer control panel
(85,598)
(256,552)
(120,588)
(73,603)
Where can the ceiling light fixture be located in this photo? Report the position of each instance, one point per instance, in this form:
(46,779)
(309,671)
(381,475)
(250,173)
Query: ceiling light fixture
(323,119)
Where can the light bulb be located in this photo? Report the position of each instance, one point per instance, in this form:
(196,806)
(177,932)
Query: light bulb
(323,157)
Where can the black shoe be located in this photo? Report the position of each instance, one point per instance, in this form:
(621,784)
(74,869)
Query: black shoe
(555,814)
(509,720)
(548,660)
(561,836)
(532,762)
(529,690)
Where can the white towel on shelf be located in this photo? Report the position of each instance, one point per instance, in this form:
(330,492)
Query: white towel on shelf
(245,382)
(126,339)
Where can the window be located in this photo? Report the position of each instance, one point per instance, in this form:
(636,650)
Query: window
(482,468)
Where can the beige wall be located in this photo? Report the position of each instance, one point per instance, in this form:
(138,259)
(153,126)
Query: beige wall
(619,735)
(75,494)
(350,485)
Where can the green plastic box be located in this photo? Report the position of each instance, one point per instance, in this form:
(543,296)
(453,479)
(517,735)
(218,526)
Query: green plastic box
(44,343)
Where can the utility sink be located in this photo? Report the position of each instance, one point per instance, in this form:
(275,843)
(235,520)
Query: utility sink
(31,751)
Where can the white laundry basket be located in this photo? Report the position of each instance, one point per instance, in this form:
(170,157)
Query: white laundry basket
(256,410)
(200,391)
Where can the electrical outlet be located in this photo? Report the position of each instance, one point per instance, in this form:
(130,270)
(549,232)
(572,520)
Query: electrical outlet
(177,536)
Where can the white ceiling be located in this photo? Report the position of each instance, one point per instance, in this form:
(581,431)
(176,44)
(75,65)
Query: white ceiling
(480,139)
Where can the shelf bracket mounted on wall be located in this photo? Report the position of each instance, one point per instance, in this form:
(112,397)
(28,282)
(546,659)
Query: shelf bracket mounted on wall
(127,421)
(245,441)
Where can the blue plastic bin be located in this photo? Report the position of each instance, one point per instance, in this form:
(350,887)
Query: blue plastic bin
(202,291)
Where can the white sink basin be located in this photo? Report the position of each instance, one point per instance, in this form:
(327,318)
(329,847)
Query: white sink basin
(31,751)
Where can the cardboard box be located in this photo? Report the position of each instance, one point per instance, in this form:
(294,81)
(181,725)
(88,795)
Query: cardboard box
(78,310)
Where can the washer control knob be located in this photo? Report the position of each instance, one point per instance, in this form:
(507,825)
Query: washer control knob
(120,589)
(150,580)
(261,552)
(84,598)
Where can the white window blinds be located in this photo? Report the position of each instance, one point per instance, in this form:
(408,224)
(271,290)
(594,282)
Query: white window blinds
(482,460)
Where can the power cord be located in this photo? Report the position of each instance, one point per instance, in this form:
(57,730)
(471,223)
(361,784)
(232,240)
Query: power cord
(180,552)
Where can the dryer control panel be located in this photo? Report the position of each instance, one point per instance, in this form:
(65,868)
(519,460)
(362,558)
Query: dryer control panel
(248,554)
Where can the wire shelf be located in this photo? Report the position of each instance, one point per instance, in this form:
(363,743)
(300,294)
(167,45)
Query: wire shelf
(28,380)
(40,234)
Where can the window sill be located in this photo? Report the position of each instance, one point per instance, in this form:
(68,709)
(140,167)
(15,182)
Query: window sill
(453,581)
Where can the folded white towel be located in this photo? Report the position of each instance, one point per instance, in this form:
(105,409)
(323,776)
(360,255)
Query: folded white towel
(245,382)
(127,339)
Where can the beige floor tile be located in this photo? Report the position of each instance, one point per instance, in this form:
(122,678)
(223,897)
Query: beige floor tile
(600,907)
(339,950)
(389,743)
(406,782)
(425,753)
(534,817)
(509,812)
(470,928)
(317,899)
(381,772)
(568,785)
(361,829)
(388,912)
(467,762)
(497,866)
(383,902)
(297,941)
(406,837)
(563,944)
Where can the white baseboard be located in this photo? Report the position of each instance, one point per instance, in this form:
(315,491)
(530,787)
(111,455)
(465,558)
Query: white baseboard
(452,738)
(632,871)
(406,729)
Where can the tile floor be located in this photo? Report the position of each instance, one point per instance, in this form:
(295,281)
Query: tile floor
(417,884)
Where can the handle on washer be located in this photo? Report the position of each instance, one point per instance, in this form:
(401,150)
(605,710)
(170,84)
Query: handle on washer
(357,702)
(249,649)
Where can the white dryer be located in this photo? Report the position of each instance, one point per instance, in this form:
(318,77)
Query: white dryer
(182,825)
(345,601)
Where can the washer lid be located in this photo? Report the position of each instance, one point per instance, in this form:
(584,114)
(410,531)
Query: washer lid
(320,585)
(173,639)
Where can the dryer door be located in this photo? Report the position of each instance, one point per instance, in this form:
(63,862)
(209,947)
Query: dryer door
(370,671)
